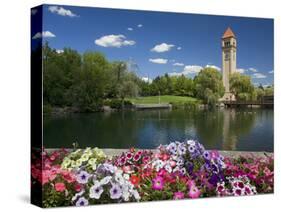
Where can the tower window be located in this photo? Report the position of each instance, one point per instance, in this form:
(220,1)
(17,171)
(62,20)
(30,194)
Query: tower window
(227,44)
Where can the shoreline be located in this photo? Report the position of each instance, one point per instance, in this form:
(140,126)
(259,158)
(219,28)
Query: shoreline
(231,153)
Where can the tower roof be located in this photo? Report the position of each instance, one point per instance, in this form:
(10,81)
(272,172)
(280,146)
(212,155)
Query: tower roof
(228,33)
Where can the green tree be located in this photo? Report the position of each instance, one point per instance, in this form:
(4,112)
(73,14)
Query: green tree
(92,81)
(241,86)
(59,71)
(269,91)
(208,85)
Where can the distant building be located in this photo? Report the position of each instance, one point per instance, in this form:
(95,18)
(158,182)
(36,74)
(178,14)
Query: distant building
(229,45)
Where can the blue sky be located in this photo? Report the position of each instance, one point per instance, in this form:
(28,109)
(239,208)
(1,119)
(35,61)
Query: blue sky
(160,42)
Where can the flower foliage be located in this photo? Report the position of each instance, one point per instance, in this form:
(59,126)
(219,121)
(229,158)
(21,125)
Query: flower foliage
(178,170)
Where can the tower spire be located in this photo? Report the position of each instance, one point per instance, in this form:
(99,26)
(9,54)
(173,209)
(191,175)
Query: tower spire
(228,33)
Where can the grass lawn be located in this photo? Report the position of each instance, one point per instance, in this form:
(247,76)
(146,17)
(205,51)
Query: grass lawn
(163,99)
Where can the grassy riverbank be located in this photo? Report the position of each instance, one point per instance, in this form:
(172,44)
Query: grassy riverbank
(165,99)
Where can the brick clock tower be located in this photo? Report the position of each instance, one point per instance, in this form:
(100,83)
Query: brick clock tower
(228,61)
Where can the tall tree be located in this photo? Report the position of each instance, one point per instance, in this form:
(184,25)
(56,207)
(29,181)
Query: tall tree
(242,87)
(208,85)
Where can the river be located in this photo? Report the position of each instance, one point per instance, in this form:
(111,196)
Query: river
(222,129)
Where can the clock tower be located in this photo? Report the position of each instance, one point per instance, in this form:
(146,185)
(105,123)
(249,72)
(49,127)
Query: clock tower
(228,61)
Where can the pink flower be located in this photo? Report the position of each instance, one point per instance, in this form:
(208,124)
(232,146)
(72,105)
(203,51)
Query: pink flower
(136,157)
(194,192)
(145,159)
(158,183)
(173,163)
(191,183)
(178,195)
(165,157)
(126,169)
(68,176)
(59,187)
(47,176)
(157,155)
(162,172)
(267,172)
(129,155)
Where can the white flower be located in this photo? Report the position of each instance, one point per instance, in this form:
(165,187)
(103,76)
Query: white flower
(172,147)
(115,191)
(168,168)
(181,149)
(190,142)
(136,195)
(105,180)
(82,201)
(88,150)
(95,191)
(83,177)
(126,176)
(119,178)
(126,195)
(78,195)
(84,157)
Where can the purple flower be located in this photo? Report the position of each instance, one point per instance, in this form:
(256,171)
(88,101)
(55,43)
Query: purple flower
(115,191)
(82,201)
(83,177)
(207,155)
(214,180)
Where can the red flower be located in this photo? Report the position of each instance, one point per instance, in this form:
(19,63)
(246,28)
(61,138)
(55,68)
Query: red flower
(69,177)
(78,187)
(135,180)
(60,187)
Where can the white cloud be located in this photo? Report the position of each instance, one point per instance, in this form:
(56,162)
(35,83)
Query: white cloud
(158,60)
(240,70)
(59,51)
(61,11)
(163,47)
(189,69)
(258,76)
(146,79)
(130,29)
(271,72)
(175,73)
(140,25)
(45,34)
(253,70)
(192,69)
(114,41)
(178,48)
(213,66)
(178,64)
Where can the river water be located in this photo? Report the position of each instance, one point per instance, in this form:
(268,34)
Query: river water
(222,129)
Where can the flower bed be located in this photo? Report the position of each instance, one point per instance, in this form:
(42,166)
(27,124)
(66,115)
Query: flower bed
(176,171)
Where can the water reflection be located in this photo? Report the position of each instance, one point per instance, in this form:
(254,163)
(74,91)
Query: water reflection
(244,129)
